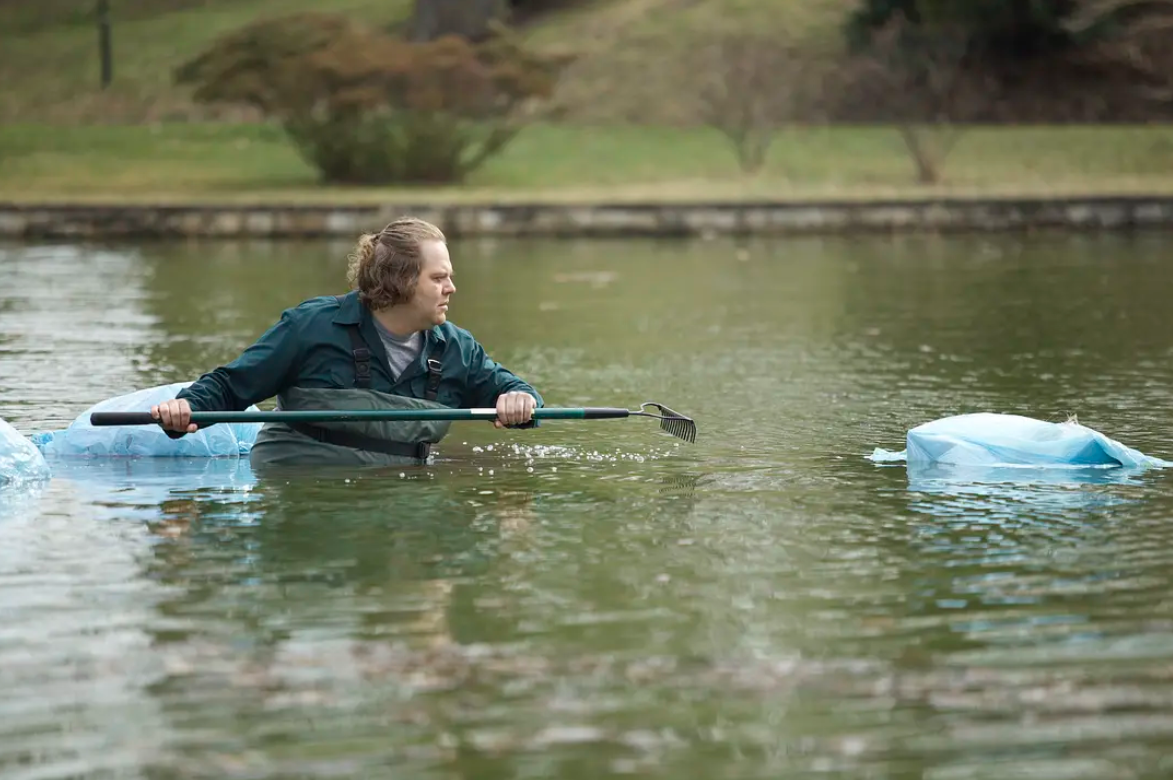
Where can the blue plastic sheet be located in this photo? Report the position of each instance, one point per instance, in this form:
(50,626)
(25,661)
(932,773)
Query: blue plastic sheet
(81,439)
(20,461)
(1008,440)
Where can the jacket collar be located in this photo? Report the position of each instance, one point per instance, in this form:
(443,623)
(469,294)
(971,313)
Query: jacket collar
(351,311)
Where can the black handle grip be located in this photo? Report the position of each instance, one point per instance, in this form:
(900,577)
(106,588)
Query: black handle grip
(122,418)
(603,413)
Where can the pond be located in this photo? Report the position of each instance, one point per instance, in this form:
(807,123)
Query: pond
(597,598)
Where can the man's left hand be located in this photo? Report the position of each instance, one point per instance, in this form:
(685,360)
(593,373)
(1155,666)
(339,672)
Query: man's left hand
(514,409)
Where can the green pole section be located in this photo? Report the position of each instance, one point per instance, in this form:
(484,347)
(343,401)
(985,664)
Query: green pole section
(338,415)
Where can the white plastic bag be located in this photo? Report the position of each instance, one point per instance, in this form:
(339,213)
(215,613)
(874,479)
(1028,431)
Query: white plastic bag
(85,440)
(1012,440)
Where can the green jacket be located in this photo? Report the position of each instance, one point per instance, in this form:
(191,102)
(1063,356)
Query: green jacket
(310,347)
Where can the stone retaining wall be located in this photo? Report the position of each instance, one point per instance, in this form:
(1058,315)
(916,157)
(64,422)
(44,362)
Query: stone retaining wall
(636,219)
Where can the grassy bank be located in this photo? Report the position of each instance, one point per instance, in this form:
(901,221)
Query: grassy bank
(252,163)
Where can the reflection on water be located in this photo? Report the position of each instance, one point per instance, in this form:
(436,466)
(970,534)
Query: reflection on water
(944,490)
(598,598)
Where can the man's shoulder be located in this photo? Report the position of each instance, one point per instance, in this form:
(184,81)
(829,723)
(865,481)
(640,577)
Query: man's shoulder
(313,308)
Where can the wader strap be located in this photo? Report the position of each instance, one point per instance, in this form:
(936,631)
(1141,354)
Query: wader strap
(362,362)
(420,450)
(362,355)
(362,379)
(435,374)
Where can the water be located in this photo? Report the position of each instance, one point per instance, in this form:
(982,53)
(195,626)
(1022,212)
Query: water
(598,599)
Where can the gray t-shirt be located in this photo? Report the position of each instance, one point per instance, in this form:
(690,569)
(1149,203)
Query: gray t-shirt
(401,350)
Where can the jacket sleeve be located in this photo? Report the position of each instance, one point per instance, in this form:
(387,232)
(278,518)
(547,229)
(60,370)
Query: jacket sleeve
(488,379)
(261,371)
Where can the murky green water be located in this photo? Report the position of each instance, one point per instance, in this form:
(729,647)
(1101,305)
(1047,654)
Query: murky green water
(596,599)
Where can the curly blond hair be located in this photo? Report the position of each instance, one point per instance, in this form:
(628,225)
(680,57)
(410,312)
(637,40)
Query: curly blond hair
(385,266)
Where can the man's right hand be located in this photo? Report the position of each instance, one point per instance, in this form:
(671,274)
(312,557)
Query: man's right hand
(175,416)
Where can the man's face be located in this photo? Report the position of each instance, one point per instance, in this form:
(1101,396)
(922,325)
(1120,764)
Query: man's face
(435,286)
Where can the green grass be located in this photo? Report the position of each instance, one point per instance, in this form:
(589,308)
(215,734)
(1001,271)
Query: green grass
(252,163)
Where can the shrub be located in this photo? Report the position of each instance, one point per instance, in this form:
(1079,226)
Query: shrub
(365,107)
(999,29)
(1038,61)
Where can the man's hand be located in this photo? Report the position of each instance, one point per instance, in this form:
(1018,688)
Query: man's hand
(514,409)
(175,416)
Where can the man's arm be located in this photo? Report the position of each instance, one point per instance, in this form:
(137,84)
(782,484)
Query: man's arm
(260,372)
(489,380)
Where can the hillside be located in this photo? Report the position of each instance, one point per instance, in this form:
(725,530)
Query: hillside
(635,57)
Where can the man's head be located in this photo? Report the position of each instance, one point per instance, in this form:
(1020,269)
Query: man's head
(406,264)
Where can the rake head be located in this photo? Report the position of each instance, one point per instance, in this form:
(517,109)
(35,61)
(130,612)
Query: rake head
(674,423)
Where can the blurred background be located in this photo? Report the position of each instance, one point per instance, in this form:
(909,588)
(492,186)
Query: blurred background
(650,99)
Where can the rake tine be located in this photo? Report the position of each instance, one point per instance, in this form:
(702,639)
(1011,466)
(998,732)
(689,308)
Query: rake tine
(673,422)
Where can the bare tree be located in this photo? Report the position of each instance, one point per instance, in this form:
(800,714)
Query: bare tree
(917,70)
(746,93)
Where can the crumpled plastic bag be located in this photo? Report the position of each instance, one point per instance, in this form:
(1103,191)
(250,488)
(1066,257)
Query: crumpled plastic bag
(81,439)
(20,460)
(987,439)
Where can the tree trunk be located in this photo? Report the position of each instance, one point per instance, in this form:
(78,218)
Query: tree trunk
(466,18)
(926,166)
(105,56)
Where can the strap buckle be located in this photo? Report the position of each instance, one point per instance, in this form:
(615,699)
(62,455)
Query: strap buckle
(435,375)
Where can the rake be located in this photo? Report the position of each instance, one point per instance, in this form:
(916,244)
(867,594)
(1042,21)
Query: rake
(672,422)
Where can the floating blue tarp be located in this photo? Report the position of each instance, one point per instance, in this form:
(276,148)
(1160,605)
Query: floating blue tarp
(81,439)
(28,459)
(1009,440)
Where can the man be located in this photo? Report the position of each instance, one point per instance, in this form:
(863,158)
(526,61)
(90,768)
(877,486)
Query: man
(386,345)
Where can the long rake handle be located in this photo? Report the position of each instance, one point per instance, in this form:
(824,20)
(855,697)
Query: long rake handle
(337,415)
